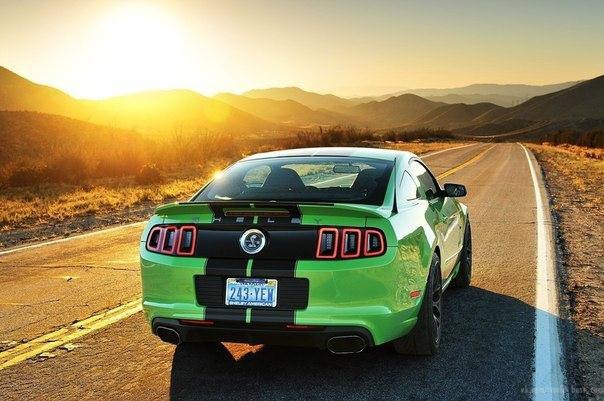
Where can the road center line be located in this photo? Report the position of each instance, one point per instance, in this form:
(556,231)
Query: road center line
(72,332)
(548,377)
(445,150)
(64,335)
(464,164)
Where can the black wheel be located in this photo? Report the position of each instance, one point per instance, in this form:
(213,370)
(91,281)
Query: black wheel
(424,338)
(464,274)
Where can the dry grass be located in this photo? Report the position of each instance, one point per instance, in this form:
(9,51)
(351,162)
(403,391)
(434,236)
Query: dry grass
(50,203)
(45,204)
(575,177)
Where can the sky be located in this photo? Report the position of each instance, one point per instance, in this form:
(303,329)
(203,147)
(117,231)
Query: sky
(96,49)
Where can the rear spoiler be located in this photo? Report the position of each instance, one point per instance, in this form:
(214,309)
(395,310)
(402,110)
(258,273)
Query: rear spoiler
(274,208)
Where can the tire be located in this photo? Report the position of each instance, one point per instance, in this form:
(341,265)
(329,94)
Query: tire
(424,338)
(464,274)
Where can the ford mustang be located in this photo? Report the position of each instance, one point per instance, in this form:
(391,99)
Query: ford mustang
(336,248)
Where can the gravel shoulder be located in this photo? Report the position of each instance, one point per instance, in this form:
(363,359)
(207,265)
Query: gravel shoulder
(575,177)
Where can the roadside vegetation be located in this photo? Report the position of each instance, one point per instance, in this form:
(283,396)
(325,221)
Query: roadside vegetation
(104,183)
(574,177)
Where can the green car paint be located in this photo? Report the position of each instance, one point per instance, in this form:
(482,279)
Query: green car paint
(381,295)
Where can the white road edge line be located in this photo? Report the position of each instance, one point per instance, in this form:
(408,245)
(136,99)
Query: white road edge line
(56,241)
(549,381)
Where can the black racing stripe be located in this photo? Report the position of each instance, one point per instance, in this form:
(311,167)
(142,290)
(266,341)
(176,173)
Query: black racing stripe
(273,268)
(272,316)
(292,292)
(226,267)
(225,314)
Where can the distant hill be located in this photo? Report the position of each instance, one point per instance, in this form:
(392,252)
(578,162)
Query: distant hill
(519,91)
(153,112)
(310,99)
(18,93)
(453,116)
(393,112)
(582,101)
(283,109)
(173,111)
(500,100)
(32,137)
(285,112)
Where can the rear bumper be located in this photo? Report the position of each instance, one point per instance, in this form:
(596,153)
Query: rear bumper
(372,294)
(315,336)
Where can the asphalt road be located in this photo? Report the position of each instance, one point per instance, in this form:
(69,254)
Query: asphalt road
(488,335)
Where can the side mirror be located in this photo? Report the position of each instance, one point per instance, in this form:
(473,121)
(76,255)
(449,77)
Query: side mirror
(454,190)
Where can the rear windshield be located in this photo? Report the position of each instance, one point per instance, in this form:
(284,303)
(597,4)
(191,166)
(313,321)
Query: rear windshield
(307,179)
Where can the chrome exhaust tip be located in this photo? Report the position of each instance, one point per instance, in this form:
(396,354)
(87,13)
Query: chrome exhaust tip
(168,335)
(341,345)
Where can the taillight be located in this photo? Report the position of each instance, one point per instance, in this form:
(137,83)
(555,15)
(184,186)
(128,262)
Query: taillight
(327,246)
(154,239)
(186,241)
(349,243)
(172,240)
(170,234)
(374,243)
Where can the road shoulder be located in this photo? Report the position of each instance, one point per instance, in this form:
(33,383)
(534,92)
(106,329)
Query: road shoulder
(574,183)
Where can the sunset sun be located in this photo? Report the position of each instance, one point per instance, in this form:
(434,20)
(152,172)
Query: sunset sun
(137,47)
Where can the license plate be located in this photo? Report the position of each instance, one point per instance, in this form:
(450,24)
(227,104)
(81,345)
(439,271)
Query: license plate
(251,292)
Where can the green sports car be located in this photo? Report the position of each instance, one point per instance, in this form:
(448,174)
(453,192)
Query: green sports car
(337,248)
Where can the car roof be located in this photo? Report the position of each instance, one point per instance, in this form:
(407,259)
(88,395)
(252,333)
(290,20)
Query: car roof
(370,153)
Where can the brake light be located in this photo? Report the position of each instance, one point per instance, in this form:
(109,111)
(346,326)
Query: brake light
(351,243)
(154,239)
(374,243)
(347,243)
(173,240)
(169,240)
(327,246)
(186,241)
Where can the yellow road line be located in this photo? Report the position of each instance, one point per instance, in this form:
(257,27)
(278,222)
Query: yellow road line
(464,164)
(51,341)
(67,334)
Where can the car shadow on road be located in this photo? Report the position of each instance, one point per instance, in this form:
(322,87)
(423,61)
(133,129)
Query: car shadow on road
(486,353)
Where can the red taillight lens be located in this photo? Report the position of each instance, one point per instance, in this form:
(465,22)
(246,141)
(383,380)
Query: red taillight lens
(169,241)
(374,243)
(351,243)
(186,241)
(346,243)
(172,240)
(327,246)
(154,239)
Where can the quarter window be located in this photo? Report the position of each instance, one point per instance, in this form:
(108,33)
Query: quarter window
(425,178)
(408,190)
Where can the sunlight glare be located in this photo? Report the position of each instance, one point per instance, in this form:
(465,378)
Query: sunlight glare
(137,47)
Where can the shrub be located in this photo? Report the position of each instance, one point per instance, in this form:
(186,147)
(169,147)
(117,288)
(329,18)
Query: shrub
(27,175)
(149,174)
(67,168)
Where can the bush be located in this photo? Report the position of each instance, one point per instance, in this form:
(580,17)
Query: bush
(332,136)
(27,175)
(149,174)
(425,134)
(68,168)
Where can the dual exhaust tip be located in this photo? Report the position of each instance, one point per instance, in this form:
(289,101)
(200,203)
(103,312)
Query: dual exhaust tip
(168,335)
(339,345)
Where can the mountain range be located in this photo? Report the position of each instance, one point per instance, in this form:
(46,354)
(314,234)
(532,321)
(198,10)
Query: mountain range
(275,110)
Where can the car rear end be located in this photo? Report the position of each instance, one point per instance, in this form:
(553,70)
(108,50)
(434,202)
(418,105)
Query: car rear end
(329,275)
